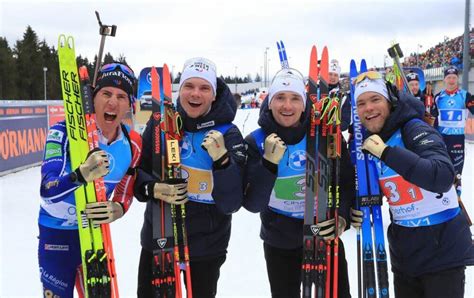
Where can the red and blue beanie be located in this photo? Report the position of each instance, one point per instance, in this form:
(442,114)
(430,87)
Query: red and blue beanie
(119,76)
(451,70)
(412,76)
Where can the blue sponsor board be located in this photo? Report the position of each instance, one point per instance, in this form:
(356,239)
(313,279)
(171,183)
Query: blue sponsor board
(23,133)
(144,87)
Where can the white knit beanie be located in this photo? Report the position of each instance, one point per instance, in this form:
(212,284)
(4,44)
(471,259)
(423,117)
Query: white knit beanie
(367,85)
(334,67)
(199,68)
(288,79)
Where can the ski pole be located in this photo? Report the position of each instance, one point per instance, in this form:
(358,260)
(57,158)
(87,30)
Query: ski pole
(104,30)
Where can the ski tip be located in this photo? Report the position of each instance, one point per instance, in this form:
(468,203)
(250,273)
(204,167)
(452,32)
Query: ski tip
(155,83)
(166,83)
(70,42)
(61,41)
(325,53)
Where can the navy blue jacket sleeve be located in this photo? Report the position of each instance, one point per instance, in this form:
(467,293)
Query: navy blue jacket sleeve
(346,112)
(346,184)
(56,181)
(227,191)
(425,161)
(258,180)
(144,170)
(470,102)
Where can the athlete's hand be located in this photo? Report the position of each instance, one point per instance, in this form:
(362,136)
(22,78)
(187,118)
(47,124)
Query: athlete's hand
(374,145)
(214,144)
(274,148)
(328,230)
(356,218)
(95,166)
(104,212)
(172,191)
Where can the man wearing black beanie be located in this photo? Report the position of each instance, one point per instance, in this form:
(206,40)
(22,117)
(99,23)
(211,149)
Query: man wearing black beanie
(117,154)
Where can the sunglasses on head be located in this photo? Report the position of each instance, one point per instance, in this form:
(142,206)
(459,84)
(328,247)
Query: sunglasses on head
(371,75)
(113,66)
(289,73)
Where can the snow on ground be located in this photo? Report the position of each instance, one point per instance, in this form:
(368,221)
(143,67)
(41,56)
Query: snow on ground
(243,274)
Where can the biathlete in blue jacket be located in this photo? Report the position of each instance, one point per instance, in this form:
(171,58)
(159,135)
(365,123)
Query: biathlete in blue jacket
(118,154)
(275,185)
(453,104)
(212,160)
(429,237)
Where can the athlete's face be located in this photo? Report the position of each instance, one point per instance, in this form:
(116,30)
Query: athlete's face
(196,96)
(451,82)
(287,108)
(333,78)
(414,86)
(111,105)
(373,109)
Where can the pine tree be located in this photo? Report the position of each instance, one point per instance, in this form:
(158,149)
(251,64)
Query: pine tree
(50,61)
(8,74)
(29,66)
(257,78)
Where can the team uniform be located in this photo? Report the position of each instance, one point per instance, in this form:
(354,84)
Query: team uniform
(214,193)
(429,238)
(278,195)
(452,114)
(59,247)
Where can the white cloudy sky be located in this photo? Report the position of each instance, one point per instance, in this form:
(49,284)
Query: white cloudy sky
(236,33)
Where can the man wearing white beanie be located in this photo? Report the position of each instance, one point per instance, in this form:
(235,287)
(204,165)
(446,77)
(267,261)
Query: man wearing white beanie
(335,91)
(212,160)
(429,237)
(287,97)
(198,74)
(275,175)
(334,72)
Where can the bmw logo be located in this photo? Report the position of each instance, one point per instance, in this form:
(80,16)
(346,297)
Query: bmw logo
(148,77)
(298,160)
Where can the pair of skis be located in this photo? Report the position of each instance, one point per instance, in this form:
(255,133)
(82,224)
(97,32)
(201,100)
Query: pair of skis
(323,151)
(98,263)
(170,255)
(369,200)
(96,245)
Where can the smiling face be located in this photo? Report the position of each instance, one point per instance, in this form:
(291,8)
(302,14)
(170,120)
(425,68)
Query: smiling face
(111,105)
(373,109)
(414,86)
(287,108)
(196,96)
(451,82)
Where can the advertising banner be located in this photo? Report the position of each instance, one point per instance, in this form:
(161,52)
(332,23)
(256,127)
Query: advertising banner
(23,132)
